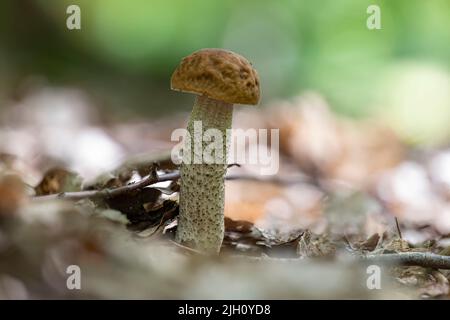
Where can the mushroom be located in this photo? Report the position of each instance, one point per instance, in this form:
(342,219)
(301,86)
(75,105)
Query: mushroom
(219,78)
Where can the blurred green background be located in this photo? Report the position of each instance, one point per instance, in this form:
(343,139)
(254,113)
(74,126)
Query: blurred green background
(126,51)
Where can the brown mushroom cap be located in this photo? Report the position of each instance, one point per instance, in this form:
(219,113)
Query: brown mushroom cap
(218,74)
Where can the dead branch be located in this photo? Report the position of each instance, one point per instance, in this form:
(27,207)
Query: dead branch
(110,193)
(172,176)
(398,229)
(421,259)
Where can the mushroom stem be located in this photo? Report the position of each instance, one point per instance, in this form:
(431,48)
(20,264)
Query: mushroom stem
(201,219)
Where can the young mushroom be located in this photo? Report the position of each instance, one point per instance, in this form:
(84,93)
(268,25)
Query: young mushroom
(219,78)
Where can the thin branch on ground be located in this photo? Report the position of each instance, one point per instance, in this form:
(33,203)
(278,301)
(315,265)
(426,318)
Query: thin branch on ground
(110,193)
(150,180)
(398,229)
(422,259)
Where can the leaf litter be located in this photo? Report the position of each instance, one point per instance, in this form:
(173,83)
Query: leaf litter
(309,238)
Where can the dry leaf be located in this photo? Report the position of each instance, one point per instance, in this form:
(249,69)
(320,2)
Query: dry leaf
(57,180)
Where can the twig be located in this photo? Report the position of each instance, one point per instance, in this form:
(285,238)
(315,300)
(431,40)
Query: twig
(422,259)
(109,193)
(398,229)
(175,175)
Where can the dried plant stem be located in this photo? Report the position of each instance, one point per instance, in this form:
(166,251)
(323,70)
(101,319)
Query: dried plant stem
(172,176)
(109,193)
(422,259)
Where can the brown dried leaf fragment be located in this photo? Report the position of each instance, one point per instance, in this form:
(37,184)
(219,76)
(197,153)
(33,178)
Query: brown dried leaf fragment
(57,180)
(368,245)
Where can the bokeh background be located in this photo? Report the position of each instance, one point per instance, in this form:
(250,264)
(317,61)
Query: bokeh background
(125,53)
(120,62)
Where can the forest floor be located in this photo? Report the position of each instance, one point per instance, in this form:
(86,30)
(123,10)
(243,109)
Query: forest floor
(353,212)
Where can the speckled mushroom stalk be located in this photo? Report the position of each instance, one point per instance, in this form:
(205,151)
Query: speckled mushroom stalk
(220,79)
(201,221)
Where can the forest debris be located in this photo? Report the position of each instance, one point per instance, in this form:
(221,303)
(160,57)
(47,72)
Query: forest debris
(445,251)
(423,259)
(368,245)
(243,236)
(107,193)
(107,180)
(149,180)
(292,216)
(157,219)
(136,202)
(313,246)
(58,180)
(428,283)
(396,245)
(437,287)
(238,226)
